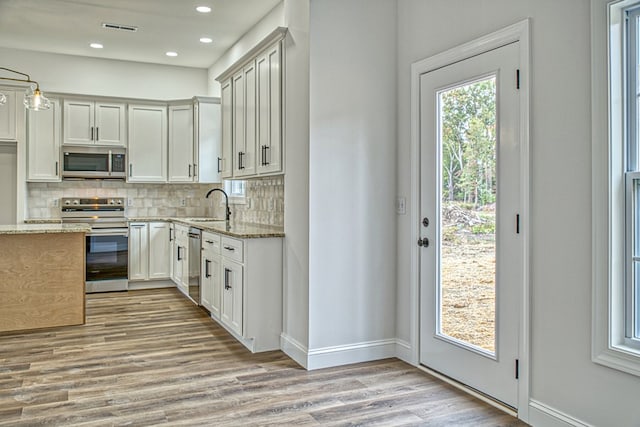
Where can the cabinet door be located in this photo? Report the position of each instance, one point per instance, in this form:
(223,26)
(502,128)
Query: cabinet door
(159,250)
(232,291)
(246,143)
(207,144)
(43,144)
(269,121)
(147,143)
(176,271)
(238,121)
(110,124)
(138,251)
(181,143)
(79,126)
(210,277)
(8,117)
(225,160)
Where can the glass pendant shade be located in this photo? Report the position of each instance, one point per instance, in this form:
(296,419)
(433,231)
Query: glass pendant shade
(3,99)
(35,100)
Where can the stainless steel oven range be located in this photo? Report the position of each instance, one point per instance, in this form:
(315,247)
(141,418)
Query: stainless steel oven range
(107,246)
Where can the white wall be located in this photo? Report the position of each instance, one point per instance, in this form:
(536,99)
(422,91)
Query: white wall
(563,375)
(106,77)
(296,181)
(274,19)
(352,173)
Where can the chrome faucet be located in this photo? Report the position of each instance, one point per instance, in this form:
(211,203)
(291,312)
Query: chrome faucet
(226,202)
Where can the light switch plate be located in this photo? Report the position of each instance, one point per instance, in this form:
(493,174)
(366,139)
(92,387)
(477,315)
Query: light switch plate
(401,206)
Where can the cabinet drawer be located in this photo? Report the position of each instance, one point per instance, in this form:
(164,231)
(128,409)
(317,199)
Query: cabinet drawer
(232,249)
(211,242)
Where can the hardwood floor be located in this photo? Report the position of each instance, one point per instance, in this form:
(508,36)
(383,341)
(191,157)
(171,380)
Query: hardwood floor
(153,358)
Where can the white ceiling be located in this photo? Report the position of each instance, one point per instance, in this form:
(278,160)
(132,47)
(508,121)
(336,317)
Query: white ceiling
(68,26)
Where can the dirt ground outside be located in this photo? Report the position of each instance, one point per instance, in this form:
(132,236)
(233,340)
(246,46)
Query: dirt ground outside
(468,275)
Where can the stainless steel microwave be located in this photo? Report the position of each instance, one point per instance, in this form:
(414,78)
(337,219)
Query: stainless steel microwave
(94,162)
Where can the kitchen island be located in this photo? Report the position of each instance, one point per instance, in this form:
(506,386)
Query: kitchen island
(42,274)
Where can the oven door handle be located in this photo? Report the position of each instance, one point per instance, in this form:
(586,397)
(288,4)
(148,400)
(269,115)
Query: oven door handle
(108,233)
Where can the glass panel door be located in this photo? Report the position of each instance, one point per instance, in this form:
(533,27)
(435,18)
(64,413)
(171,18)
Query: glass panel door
(467,124)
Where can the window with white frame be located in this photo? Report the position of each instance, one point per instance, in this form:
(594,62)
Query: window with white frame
(616,184)
(630,175)
(235,189)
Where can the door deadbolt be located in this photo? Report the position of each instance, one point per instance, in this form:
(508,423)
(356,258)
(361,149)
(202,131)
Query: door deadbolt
(425,221)
(424,242)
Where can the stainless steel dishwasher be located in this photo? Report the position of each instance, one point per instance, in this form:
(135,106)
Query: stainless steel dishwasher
(195,246)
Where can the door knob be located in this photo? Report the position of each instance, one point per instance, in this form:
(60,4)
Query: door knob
(424,242)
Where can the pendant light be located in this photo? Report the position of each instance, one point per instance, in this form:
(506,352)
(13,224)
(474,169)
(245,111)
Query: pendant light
(33,98)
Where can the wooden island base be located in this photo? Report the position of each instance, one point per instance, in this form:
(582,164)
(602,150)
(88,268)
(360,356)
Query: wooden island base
(41,280)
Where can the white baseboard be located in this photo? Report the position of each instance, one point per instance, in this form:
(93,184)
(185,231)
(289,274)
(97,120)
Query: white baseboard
(352,353)
(541,415)
(294,350)
(404,352)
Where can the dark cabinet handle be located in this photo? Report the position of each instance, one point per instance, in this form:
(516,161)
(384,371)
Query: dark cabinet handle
(92,133)
(209,242)
(227,285)
(207,263)
(189,171)
(229,248)
(170,235)
(130,169)
(56,168)
(264,149)
(219,165)
(97,137)
(179,257)
(195,170)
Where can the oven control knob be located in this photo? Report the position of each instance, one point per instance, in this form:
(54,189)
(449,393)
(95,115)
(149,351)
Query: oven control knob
(67,202)
(119,202)
(76,202)
(112,202)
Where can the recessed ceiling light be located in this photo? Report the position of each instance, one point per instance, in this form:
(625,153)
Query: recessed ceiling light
(96,45)
(205,40)
(203,9)
(172,54)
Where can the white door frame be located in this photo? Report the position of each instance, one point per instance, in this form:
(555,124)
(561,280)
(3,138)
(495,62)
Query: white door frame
(519,32)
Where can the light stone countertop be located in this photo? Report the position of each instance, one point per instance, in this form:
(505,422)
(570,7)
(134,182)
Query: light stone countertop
(49,228)
(240,230)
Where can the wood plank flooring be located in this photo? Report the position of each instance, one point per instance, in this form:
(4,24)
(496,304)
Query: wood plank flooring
(153,358)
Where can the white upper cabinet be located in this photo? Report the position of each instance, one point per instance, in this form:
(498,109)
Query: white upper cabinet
(252,106)
(89,122)
(269,113)
(181,165)
(207,140)
(245,138)
(147,143)
(43,144)
(225,160)
(8,117)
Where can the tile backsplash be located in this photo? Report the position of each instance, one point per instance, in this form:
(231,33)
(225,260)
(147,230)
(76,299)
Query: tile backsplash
(264,203)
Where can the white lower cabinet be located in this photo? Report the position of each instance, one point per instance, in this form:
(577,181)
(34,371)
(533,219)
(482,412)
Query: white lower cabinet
(210,275)
(149,249)
(159,250)
(231,312)
(246,295)
(138,251)
(181,258)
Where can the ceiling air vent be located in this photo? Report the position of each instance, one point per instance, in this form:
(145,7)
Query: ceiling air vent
(120,27)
